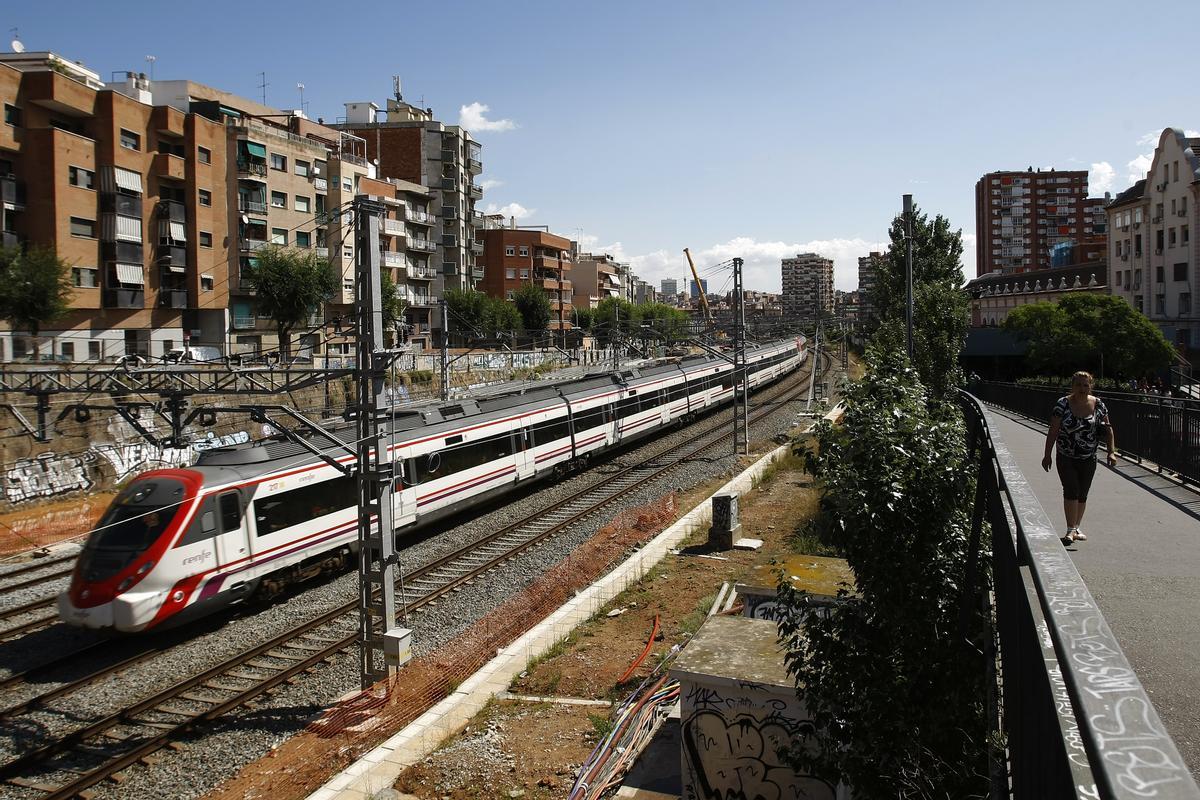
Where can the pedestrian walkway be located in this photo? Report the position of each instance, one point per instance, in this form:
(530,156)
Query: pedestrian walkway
(1141,563)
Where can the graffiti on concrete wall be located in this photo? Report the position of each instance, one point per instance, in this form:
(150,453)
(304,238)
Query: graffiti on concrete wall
(735,741)
(47,475)
(51,474)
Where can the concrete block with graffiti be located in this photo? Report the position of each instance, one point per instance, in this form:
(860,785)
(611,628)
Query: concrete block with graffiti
(739,715)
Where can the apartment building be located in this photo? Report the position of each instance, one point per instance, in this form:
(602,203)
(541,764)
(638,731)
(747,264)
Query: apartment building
(694,289)
(406,142)
(643,293)
(1021,216)
(668,289)
(514,257)
(129,193)
(868,272)
(807,285)
(1153,256)
(595,276)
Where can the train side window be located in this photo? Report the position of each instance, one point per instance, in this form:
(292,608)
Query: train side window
(231,512)
(304,504)
(550,431)
(589,418)
(204,524)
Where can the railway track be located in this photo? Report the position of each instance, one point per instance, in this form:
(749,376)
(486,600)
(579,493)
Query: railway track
(106,746)
(25,577)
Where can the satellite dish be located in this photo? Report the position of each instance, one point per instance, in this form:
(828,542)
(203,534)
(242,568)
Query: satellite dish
(17,46)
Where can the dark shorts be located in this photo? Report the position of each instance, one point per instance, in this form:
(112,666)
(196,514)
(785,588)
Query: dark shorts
(1076,475)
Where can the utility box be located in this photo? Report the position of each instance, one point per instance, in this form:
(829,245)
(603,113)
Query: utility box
(725,525)
(397,647)
(738,711)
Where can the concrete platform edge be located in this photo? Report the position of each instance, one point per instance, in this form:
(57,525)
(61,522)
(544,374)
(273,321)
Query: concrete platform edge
(379,768)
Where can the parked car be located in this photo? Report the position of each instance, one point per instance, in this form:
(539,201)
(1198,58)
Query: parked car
(180,355)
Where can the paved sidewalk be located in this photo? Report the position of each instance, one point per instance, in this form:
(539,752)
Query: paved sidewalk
(1141,563)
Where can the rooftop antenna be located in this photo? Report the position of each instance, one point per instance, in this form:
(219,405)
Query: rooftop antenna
(263,86)
(300,87)
(396,88)
(17,47)
(150,60)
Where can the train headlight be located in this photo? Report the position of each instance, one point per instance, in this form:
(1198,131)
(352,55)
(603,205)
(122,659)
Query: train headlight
(125,584)
(177,597)
(144,568)
(85,594)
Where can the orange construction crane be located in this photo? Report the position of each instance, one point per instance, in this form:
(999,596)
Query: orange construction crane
(699,288)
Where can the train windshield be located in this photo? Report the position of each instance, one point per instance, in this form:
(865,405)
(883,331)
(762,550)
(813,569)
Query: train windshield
(132,523)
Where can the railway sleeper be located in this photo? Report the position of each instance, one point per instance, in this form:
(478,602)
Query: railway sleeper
(284,656)
(176,711)
(26,783)
(225,687)
(204,698)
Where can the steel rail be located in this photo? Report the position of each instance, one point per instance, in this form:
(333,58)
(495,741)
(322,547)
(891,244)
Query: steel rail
(271,649)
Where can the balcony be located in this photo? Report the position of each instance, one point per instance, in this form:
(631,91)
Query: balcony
(320,184)
(424,245)
(393,227)
(12,193)
(59,93)
(476,272)
(476,247)
(391,259)
(422,272)
(421,300)
(250,206)
(243,323)
(170,166)
(449,212)
(173,257)
(172,210)
(449,156)
(249,245)
(129,205)
(475,191)
(418,217)
(251,168)
(1156,220)
(474,165)
(448,184)
(449,240)
(124,298)
(322,252)
(168,120)
(172,298)
(477,219)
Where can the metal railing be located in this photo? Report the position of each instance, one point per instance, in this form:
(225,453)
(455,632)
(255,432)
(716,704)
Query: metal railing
(1150,427)
(1077,722)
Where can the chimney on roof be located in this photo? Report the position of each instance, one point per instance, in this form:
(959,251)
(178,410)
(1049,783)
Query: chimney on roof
(512,222)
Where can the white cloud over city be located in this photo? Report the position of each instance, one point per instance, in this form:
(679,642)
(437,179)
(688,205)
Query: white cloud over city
(762,260)
(474,118)
(516,210)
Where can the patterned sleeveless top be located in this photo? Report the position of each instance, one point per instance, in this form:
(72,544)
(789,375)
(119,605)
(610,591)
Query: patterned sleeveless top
(1079,437)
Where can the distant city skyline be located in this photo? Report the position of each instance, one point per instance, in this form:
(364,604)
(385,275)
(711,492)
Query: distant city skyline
(673,144)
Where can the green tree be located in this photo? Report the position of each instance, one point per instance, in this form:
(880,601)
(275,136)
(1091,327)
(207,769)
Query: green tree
(583,318)
(614,316)
(533,304)
(941,310)
(664,322)
(35,288)
(467,310)
(500,316)
(894,685)
(1100,333)
(289,286)
(393,305)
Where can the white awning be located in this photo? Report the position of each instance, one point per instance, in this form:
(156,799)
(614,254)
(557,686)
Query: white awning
(128,180)
(613,279)
(175,268)
(131,273)
(177,232)
(129,229)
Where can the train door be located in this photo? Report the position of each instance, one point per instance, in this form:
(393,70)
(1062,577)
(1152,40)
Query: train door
(228,521)
(523,454)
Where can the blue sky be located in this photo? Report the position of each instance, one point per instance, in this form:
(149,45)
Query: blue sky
(756,129)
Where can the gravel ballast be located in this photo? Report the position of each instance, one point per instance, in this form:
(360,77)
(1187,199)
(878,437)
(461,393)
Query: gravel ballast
(250,733)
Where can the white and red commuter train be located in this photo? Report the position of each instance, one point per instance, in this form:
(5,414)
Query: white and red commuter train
(180,543)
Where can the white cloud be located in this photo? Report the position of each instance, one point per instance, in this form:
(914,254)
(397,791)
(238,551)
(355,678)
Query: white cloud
(968,256)
(487,184)
(511,210)
(1191,134)
(1101,178)
(761,270)
(1139,166)
(1149,139)
(473,117)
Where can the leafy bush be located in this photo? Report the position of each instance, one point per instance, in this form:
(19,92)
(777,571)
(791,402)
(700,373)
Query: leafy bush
(895,690)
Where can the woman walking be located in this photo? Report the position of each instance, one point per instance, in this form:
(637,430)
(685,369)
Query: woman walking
(1075,426)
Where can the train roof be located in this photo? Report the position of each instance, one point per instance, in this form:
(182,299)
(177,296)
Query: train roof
(433,416)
